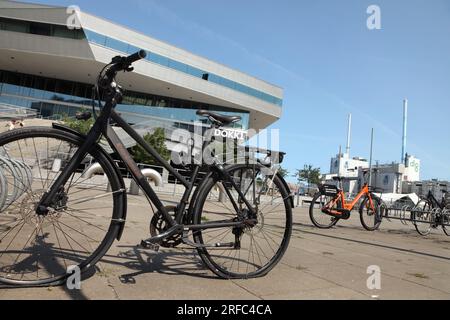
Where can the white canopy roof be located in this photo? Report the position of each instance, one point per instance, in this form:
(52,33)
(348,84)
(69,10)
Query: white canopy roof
(393,197)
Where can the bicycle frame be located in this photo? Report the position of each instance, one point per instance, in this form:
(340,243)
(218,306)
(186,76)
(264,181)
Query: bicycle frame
(436,204)
(103,127)
(350,206)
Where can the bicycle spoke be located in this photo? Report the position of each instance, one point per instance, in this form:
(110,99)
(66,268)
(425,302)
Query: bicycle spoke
(258,244)
(39,248)
(88,223)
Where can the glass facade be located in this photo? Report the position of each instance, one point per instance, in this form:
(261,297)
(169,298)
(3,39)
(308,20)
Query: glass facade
(46,29)
(123,47)
(52,98)
(43,29)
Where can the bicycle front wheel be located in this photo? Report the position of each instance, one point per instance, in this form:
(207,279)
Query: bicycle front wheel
(37,250)
(422,217)
(253,250)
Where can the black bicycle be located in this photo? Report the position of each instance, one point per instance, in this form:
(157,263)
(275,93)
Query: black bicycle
(238,217)
(430,214)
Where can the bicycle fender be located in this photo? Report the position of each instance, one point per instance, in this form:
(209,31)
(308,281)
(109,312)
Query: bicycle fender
(291,194)
(123,210)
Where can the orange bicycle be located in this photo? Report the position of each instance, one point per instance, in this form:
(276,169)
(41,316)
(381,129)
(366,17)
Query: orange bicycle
(329,206)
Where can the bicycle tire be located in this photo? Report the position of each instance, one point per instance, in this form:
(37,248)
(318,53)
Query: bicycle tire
(365,211)
(423,205)
(269,228)
(85,234)
(315,214)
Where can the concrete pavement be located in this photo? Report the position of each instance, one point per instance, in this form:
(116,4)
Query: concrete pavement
(319,264)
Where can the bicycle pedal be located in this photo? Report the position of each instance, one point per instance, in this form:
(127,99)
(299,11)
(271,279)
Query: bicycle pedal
(148,245)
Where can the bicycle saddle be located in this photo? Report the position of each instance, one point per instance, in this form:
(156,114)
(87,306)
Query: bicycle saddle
(219,119)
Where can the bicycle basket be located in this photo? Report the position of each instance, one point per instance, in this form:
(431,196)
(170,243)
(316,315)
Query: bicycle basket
(329,190)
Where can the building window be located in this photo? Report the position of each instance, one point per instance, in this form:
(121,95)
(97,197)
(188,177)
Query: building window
(56,91)
(44,29)
(14,25)
(41,29)
(61,31)
(386,180)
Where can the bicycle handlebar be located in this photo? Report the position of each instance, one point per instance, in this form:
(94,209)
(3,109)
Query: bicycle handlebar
(120,63)
(141,54)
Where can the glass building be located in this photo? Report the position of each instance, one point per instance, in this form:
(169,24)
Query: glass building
(49,65)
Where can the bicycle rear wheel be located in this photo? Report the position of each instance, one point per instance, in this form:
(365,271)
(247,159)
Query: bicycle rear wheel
(320,219)
(80,227)
(261,246)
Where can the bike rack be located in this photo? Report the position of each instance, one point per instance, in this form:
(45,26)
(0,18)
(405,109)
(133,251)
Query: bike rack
(150,174)
(16,178)
(408,215)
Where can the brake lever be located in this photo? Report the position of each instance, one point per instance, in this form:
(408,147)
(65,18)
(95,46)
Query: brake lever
(117,59)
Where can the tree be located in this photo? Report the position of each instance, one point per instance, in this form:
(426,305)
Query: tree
(309,175)
(283,172)
(157,140)
(80,126)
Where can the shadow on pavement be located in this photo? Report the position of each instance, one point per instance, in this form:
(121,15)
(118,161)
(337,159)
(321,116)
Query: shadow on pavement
(167,262)
(369,243)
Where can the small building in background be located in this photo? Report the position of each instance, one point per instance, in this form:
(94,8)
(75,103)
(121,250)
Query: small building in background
(390,178)
(422,188)
(344,166)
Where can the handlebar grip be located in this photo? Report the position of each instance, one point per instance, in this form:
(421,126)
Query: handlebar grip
(135,57)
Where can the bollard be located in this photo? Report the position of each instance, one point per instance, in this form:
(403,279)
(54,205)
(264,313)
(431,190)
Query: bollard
(165,176)
(134,188)
(222,193)
(175,187)
(56,167)
(222,197)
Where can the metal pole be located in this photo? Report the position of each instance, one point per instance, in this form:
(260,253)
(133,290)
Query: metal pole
(371,157)
(349,134)
(405,129)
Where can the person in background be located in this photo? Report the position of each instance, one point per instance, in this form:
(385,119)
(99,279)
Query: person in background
(11,124)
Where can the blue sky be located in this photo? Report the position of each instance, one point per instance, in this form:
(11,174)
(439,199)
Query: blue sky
(328,63)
